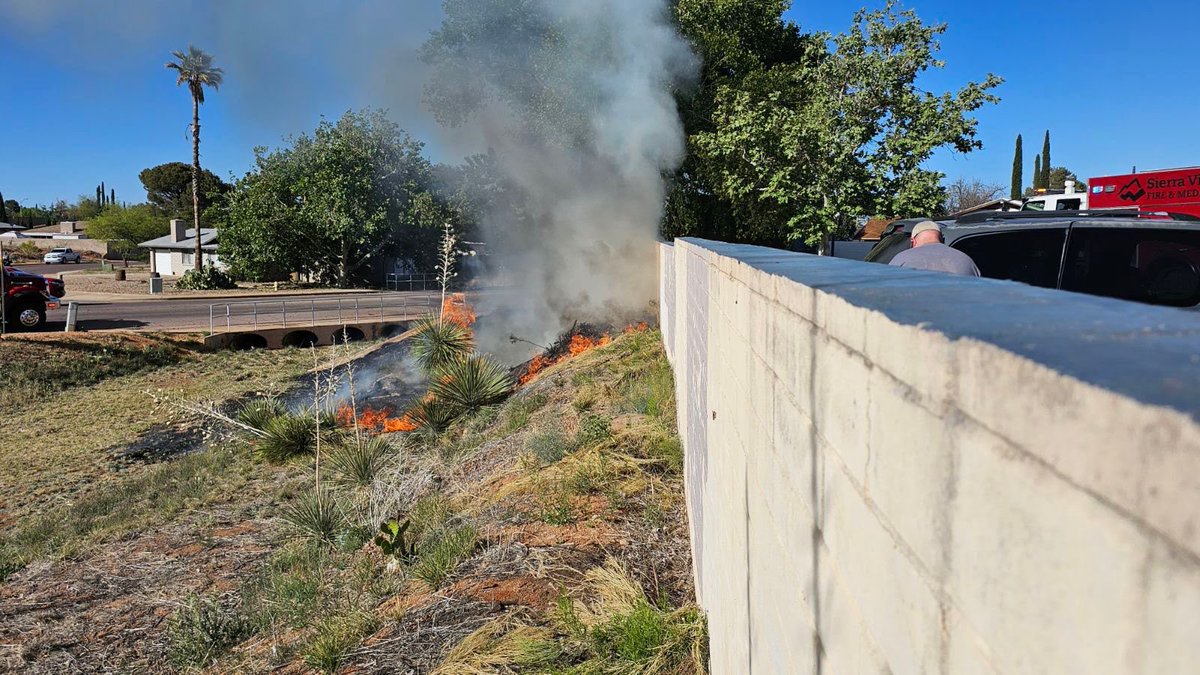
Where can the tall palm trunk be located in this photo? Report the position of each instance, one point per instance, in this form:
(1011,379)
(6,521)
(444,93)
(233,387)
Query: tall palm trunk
(199,264)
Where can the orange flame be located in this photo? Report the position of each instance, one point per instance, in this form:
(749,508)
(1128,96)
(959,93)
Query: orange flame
(640,328)
(579,344)
(456,309)
(378,420)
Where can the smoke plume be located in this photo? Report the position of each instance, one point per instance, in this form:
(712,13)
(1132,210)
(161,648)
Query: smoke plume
(574,99)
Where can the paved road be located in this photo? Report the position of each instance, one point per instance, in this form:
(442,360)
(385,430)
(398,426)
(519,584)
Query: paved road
(55,270)
(193,313)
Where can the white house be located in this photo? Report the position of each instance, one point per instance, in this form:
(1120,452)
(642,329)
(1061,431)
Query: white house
(175,253)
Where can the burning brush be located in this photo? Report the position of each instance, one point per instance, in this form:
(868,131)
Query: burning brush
(579,339)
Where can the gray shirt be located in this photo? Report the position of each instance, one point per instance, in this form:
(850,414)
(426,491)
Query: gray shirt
(938,258)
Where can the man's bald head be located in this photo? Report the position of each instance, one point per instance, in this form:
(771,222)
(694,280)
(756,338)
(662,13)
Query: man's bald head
(926,232)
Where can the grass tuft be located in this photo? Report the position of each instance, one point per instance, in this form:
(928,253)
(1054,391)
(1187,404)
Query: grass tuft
(549,446)
(357,462)
(201,630)
(441,552)
(519,409)
(287,436)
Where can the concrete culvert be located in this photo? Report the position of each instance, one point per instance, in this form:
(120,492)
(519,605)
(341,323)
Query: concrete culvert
(247,341)
(300,338)
(389,329)
(349,334)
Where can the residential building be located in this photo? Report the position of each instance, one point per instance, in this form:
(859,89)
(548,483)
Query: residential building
(175,254)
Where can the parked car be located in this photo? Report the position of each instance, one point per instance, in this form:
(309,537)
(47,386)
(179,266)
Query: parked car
(61,255)
(27,297)
(1144,257)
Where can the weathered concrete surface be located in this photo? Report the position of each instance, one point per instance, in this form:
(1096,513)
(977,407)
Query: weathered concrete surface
(893,470)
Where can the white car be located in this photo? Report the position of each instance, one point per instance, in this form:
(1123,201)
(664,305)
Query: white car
(60,255)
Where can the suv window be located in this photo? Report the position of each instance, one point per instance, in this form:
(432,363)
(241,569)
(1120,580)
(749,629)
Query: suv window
(1068,205)
(1030,256)
(1156,266)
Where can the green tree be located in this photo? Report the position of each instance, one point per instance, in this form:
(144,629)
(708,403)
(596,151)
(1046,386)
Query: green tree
(3,209)
(195,68)
(125,228)
(812,145)
(169,188)
(1018,181)
(333,204)
(1037,173)
(1046,161)
(1059,176)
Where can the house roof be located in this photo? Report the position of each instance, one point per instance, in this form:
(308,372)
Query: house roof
(208,240)
(10,226)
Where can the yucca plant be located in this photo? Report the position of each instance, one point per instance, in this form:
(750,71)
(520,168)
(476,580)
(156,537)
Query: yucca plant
(437,343)
(317,515)
(286,436)
(357,462)
(471,383)
(433,415)
(259,412)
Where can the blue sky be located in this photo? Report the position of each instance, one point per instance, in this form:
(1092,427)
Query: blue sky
(85,97)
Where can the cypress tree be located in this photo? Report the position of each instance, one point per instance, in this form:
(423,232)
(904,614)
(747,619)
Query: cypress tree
(98,191)
(1046,161)
(3,210)
(1017,169)
(1037,173)
(103,195)
(112,196)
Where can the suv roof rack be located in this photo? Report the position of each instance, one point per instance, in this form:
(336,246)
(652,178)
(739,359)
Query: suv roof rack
(986,216)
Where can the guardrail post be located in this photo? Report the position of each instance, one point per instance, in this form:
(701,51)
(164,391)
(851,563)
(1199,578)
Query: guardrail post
(312,305)
(227,318)
(211,331)
(255,309)
(283,303)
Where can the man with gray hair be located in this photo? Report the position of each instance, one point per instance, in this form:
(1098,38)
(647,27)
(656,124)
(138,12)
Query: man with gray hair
(929,253)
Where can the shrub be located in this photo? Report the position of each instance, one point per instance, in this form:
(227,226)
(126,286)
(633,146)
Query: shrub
(441,552)
(286,436)
(471,383)
(201,630)
(260,412)
(436,343)
(208,278)
(433,415)
(592,430)
(317,515)
(549,446)
(357,462)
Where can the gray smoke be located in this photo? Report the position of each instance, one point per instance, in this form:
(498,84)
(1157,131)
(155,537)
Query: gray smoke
(591,171)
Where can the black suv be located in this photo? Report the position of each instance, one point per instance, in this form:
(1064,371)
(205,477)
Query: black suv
(1144,257)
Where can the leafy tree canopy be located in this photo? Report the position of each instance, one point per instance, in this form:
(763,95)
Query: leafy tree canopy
(798,134)
(169,188)
(126,227)
(332,204)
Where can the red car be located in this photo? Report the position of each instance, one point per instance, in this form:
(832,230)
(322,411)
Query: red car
(27,297)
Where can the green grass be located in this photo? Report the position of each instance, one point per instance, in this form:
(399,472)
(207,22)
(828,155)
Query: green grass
(34,369)
(441,552)
(122,506)
(518,410)
(334,638)
(651,392)
(593,429)
(288,591)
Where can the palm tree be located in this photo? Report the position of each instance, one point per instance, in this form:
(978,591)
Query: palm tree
(197,70)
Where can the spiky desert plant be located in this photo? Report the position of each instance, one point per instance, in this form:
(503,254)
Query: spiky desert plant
(471,383)
(317,515)
(433,416)
(357,462)
(436,343)
(287,436)
(259,412)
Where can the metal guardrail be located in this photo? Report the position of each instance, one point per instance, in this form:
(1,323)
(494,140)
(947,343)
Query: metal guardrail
(311,312)
(412,282)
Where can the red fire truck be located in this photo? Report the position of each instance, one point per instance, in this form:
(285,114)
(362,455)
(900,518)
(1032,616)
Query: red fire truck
(1171,190)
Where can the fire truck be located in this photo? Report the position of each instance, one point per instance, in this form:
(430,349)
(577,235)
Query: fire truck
(1170,190)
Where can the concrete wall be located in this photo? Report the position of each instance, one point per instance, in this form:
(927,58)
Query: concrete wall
(899,471)
(91,245)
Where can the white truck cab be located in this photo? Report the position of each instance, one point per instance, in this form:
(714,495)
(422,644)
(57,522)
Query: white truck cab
(1069,200)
